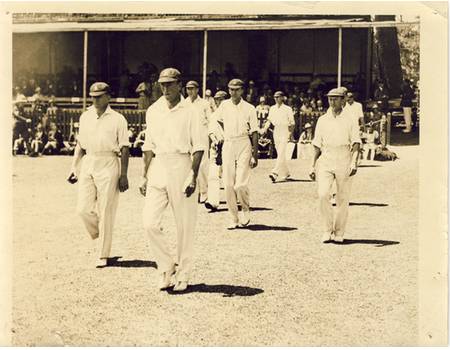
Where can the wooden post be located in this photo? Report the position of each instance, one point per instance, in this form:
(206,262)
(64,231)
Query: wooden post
(205,61)
(369,63)
(339,77)
(85,52)
(388,128)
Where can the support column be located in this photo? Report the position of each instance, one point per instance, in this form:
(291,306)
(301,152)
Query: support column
(369,62)
(85,51)
(205,61)
(339,77)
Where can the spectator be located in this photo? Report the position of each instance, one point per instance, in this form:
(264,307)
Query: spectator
(140,140)
(381,96)
(305,147)
(52,110)
(208,98)
(20,122)
(371,137)
(18,96)
(406,102)
(69,146)
(38,141)
(20,145)
(252,91)
(55,141)
(132,136)
(144,92)
(124,83)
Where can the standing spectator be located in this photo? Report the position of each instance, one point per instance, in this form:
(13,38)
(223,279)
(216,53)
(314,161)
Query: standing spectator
(381,96)
(252,92)
(52,110)
(355,108)
(262,111)
(124,83)
(406,102)
(144,92)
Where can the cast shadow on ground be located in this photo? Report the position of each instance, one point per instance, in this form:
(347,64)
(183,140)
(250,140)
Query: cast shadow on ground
(369,166)
(375,242)
(262,227)
(239,207)
(292,180)
(115,262)
(368,204)
(225,289)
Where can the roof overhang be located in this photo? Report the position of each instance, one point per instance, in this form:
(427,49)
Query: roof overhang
(173,24)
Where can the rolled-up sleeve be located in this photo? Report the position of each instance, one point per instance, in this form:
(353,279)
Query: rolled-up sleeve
(198,131)
(291,120)
(253,120)
(148,143)
(82,132)
(122,132)
(354,132)
(318,135)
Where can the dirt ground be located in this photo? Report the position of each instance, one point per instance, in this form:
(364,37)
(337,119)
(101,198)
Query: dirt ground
(272,284)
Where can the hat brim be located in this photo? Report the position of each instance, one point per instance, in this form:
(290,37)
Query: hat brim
(192,86)
(97,93)
(235,86)
(166,80)
(335,95)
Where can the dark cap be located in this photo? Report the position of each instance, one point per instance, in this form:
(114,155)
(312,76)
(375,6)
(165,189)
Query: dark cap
(336,92)
(349,94)
(235,83)
(220,94)
(168,75)
(192,83)
(98,89)
(278,94)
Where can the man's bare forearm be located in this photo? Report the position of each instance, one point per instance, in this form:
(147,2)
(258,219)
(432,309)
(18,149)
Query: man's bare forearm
(316,156)
(254,138)
(196,160)
(77,155)
(124,156)
(147,158)
(355,152)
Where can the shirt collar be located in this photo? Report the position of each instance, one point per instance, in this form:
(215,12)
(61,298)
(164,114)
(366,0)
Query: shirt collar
(163,104)
(107,111)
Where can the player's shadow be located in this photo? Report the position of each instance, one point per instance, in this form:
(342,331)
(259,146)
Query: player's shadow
(262,227)
(225,289)
(239,208)
(375,242)
(116,262)
(369,166)
(292,180)
(353,204)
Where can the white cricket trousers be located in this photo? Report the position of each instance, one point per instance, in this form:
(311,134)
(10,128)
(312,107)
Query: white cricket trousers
(202,179)
(236,155)
(98,196)
(166,178)
(407,116)
(334,164)
(281,167)
(214,175)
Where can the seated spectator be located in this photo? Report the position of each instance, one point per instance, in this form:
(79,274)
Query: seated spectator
(320,109)
(140,140)
(132,135)
(38,142)
(69,146)
(305,147)
(55,141)
(381,96)
(20,145)
(372,137)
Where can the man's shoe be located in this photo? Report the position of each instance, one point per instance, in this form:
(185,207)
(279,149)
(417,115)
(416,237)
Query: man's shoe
(245,219)
(338,239)
(210,206)
(232,225)
(166,279)
(180,286)
(101,262)
(273,177)
(202,198)
(326,237)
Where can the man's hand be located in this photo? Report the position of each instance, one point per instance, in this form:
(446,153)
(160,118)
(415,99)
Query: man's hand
(253,162)
(123,183)
(143,186)
(190,184)
(72,177)
(312,174)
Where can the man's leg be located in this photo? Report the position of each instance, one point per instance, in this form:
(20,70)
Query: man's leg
(156,201)
(343,182)
(213,183)
(229,178)
(242,179)
(86,205)
(283,170)
(107,181)
(325,179)
(203,178)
